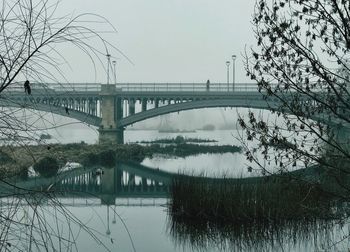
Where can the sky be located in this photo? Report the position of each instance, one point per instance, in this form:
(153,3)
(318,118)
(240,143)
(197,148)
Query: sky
(168,41)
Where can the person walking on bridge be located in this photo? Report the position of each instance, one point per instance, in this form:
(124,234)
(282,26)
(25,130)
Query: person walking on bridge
(208,84)
(27,88)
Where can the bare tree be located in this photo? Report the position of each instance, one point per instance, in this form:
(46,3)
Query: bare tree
(301,64)
(31,35)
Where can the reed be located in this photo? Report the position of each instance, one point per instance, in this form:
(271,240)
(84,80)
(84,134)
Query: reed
(250,214)
(242,201)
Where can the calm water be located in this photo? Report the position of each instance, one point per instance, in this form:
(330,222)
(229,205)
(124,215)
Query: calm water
(228,164)
(105,215)
(127,220)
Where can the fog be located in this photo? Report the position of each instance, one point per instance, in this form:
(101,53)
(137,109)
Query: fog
(167,41)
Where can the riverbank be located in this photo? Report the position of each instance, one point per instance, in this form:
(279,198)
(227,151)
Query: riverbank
(17,159)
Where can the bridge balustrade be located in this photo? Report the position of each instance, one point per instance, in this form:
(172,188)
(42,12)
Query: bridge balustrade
(138,87)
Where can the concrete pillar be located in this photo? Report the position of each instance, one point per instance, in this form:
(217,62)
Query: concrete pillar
(112,110)
(144,185)
(131,179)
(118,108)
(107,181)
(144,104)
(118,178)
(131,107)
(107,193)
(156,103)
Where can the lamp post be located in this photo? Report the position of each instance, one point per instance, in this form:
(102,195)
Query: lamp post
(108,63)
(233,71)
(108,232)
(114,220)
(115,73)
(228,74)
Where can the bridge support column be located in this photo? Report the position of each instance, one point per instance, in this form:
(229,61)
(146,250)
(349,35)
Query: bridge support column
(144,105)
(131,107)
(156,103)
(108,188)
(112,110)
(118,178)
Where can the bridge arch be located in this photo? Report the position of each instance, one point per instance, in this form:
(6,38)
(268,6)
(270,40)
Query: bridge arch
(196,104)
(85,104)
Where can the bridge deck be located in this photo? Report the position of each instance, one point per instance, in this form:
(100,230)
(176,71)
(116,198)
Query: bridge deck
(139,87)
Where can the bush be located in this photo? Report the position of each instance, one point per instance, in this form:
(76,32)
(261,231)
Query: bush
(23,173)
(104,157)
(132,152)
(179,140)
(107,158)
(47,166)
(5,157)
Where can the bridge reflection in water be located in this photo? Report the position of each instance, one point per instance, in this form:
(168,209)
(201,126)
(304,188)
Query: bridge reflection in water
(121,181)
(129,184)
(124,180)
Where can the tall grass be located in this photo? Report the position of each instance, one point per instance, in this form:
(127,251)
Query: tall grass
(240,201)
(249,214)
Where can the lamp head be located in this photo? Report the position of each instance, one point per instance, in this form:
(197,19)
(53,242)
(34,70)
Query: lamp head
(234,57)
(228,63)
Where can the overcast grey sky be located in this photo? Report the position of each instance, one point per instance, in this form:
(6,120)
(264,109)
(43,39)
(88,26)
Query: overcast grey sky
(172,40)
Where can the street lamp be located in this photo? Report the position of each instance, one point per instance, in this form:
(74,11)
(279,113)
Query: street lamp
(114,220)
(228,74)
(233,71)
(115,73)
(108,63)
(108,232)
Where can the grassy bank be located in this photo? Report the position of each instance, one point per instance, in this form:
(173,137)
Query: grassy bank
(16,160)
(178,140)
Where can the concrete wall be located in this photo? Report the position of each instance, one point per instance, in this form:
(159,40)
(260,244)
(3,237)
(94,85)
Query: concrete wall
(111,109)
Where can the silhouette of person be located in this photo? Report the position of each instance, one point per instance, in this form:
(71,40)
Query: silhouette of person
(208,84)
(67,111)
(27,88)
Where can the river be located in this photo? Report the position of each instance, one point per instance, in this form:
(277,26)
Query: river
(134,222)
(215,165)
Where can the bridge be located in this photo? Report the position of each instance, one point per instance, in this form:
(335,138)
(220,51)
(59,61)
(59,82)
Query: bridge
(112,108)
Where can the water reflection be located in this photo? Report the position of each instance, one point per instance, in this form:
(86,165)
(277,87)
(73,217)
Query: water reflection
(122,181)
(302,235)
(135,197)
(80,206)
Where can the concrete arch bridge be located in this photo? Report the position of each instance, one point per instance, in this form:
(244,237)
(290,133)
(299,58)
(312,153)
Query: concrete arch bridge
(111,108)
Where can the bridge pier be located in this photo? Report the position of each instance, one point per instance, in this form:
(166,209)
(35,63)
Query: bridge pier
(112,111)
(144,105)
(131,107)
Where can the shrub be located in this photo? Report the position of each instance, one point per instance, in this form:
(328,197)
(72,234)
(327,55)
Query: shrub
(107,158)
(5,157)
(104,157)
(179,140)
(47,166)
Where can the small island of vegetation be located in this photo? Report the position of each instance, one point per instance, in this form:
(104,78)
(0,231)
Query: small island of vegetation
(16,160)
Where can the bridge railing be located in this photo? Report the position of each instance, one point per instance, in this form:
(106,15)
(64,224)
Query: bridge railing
(139,87)
(57,87)
(186,87)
